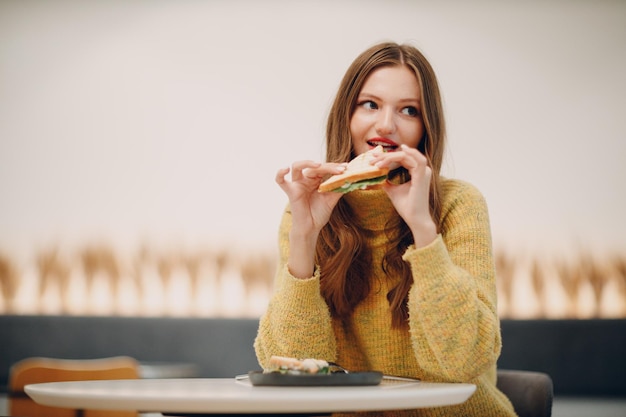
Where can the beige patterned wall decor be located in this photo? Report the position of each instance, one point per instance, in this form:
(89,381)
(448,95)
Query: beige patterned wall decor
(226,282)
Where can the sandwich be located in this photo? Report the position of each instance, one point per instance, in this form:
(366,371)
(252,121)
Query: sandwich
(360,174)
(285,365)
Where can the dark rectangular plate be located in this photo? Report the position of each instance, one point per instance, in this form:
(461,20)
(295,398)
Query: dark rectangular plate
(258,378)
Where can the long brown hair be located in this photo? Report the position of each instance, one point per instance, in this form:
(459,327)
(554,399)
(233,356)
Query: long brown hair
(341,253)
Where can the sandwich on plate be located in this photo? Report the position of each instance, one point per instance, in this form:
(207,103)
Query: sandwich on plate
(286,365)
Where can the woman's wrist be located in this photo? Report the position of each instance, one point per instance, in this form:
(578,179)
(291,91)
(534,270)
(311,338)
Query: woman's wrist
(301,262)
(424,234)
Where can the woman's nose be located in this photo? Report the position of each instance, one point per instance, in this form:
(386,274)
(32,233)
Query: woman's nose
(385,123)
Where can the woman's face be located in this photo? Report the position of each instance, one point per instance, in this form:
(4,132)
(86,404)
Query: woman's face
(388,111)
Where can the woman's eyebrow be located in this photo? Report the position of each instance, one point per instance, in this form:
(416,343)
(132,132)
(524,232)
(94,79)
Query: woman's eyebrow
(368,95)
(410,100)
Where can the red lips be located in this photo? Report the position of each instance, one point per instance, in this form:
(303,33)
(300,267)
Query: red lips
(387,144)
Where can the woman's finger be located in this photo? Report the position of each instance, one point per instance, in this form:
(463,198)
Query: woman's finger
(298,167)
(409,158)
(280,175)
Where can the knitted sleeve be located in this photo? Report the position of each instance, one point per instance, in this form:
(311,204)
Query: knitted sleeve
(453,319)
(297,322)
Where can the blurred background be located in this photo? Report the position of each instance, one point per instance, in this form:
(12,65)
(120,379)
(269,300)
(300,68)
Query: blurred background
(139,143)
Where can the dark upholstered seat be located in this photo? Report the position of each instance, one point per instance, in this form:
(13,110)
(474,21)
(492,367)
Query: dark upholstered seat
(530,392)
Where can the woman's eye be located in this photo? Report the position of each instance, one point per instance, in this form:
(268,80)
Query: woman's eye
(410,111)
(369,105)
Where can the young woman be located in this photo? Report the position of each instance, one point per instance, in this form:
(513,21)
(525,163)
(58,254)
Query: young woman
(399,279)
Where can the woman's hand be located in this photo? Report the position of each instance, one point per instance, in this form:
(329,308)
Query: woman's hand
(411,199)
(310,210)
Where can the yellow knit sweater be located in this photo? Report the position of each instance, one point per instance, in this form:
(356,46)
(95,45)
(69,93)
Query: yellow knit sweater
(454,331)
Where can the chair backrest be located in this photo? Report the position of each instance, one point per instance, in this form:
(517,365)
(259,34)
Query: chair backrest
(39,370)
(530,392)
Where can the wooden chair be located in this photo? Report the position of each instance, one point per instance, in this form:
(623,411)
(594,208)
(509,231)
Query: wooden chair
(38,370)
(530,392)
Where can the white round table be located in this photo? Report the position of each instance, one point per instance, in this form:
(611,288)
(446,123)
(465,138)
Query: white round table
(228,395)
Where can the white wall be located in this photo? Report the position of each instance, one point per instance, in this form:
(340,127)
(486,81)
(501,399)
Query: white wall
(141,120)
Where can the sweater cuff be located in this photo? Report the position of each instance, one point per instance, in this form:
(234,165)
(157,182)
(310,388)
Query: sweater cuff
(300,286)
(302,297)
(428,260)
